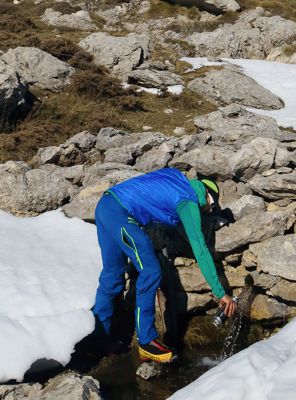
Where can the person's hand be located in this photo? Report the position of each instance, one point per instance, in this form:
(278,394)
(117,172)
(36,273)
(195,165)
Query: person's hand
(228,304)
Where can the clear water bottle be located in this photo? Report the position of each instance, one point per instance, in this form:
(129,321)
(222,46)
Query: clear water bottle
(220,315)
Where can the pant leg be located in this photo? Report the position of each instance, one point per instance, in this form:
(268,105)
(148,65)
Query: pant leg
(111,280)
(133,242)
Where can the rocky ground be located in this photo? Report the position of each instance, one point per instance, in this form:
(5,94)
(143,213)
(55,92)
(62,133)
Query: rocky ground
(75,121)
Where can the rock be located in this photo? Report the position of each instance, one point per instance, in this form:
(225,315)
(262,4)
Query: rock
(148,370)
(234,125)
(212,6)
(122,155)
(67,386)
(39,68)
(191,279)
(109,137)
(78,20)
(85,141)
(235,277)
(265,281)
(84,203)
(208,161)
(253,158)
(230,191)
(276,256)
(266,308)
(97,171)
(153,159)
(188,302)
(276,186)
(25,191)
(154,78)
(250,229)
(252,36)
(121,54)
(13,90)
(229,85)
(279,54)
(247,204)
(48,155)
(74,174)
(285,290)
(140,144)
(20,391)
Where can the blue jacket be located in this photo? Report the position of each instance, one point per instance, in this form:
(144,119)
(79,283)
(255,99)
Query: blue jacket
(154,197)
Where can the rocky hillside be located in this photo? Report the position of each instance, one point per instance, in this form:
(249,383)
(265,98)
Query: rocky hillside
(93,93)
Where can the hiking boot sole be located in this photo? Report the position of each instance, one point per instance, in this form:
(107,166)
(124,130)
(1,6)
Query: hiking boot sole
(159,358)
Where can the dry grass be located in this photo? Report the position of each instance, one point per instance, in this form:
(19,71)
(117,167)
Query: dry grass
(284,8)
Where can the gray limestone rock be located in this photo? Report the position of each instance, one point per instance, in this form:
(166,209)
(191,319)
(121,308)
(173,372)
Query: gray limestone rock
(74,174)
(276,256)
(153,159)
(84,203)
(247,204)
(98,170)
(85,141)
(208,161)
(193,301)
(250,229)
(253,158)
(79,20)
(121,54)
(154,78)
(13,90)
(234,125)
(48,155)
(110,137)
(25,191)
(229,85)
(39,68)
(67,386)
(253,35)
(276,186)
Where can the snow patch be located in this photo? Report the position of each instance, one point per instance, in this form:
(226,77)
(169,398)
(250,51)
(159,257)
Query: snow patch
(49,268)
(278,78)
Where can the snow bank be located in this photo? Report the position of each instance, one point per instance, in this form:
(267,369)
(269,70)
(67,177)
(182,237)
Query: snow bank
(49,267)
(264,371)
(278,78)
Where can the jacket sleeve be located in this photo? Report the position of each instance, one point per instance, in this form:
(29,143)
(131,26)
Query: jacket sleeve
(189,214)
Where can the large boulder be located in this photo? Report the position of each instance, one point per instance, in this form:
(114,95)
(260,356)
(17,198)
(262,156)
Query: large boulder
(39,68)
(234,125)
(13,90)
(255,157)
(252,36)
(275,256)
(252,228)
(246,205)
(67,386)
(267,308)
(26,191)
(155,75)
(276,185)
(121,54)
(154,159)
(229,85)
(84,203)
(207,161)
(78,20)
(283,54)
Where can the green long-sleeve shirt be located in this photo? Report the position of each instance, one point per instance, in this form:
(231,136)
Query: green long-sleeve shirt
(189,214)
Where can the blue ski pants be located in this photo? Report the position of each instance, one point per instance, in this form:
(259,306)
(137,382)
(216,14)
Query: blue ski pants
(120,237)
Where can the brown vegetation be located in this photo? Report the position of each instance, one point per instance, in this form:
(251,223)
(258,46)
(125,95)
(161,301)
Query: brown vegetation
(284,8)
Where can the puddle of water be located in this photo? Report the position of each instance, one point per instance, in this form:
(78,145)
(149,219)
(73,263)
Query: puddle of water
(118,378)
